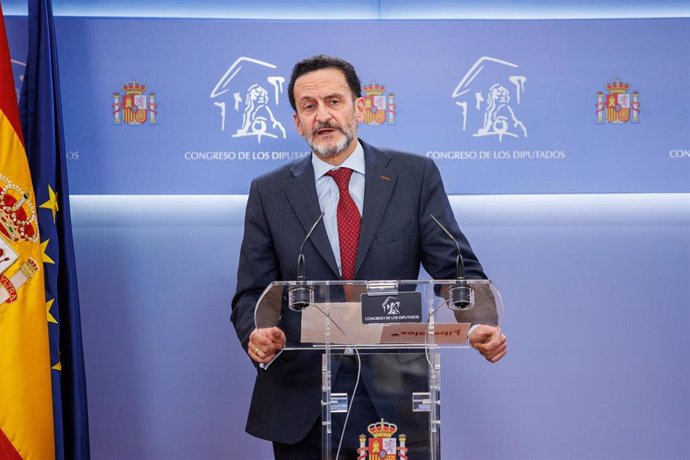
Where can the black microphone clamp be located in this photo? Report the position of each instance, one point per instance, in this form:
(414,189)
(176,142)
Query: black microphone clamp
(460,296)
(300,296)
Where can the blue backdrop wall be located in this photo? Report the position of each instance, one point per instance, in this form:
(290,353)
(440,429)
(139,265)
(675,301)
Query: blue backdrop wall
(575,194)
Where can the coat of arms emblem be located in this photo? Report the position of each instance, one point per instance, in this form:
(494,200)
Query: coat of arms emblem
(17,224)
(618,106)
(134,106)
(379,108)
(382,445)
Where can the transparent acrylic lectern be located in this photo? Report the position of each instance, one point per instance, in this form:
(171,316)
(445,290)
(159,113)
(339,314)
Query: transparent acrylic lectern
(394,330)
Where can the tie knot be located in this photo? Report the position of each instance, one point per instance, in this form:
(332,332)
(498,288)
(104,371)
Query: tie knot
(341,177)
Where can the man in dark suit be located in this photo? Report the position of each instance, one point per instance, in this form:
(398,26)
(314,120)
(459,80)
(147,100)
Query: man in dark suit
(391,197)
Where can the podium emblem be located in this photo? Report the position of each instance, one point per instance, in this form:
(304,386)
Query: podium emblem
(404,307)
(382,445)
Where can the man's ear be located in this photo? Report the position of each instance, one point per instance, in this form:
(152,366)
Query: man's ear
(359,109)
(298,124)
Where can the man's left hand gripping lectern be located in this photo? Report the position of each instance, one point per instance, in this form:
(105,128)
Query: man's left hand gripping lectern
(393,331)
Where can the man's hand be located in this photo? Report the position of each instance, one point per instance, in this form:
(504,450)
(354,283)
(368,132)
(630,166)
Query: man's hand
(264,343)
(490,342)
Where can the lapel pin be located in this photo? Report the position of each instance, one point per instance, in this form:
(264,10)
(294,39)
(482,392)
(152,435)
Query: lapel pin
(386,178)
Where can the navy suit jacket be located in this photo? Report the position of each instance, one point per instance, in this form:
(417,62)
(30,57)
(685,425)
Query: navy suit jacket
(397,235)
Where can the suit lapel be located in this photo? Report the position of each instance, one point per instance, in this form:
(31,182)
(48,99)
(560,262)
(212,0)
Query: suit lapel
(301,193)
(379,183)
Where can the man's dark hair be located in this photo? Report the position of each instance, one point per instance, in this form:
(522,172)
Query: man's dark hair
(321,61)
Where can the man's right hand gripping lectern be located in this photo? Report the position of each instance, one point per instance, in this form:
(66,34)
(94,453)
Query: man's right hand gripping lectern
(393,331)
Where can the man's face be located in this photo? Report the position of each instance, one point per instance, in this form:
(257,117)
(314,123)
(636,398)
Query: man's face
(327,116)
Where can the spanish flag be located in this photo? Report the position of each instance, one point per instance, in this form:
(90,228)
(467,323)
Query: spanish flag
(26,413)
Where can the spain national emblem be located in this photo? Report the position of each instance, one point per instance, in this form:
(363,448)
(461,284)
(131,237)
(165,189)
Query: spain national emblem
(618,106)
(135,106)
(382,445)
(379,108)
(17,224)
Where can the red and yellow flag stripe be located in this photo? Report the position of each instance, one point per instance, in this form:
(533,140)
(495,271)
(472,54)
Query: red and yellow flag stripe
(26,414)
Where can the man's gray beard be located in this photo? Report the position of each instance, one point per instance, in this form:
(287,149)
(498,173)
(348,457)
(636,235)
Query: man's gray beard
(329,152)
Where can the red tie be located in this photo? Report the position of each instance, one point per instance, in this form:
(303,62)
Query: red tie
(349,222)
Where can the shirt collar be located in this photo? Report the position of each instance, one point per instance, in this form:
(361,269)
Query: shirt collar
(355,162)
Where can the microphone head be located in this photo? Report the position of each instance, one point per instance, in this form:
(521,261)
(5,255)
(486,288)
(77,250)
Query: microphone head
(301,266)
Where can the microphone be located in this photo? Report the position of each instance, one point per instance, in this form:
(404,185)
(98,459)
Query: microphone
(460,295)
(301,296)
